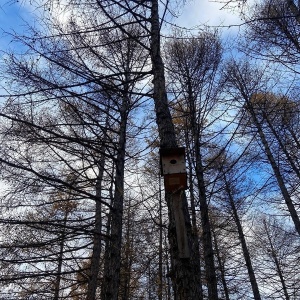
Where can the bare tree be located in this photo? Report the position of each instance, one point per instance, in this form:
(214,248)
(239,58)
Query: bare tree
(193,66)
(246,81)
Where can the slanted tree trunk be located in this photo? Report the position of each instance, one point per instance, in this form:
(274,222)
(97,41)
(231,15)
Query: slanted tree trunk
(277,173)
(185,272)
(276,261)
(282,147)
(238,79)
(242,239)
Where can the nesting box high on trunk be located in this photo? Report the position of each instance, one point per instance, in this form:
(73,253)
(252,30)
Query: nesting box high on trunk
(172,162)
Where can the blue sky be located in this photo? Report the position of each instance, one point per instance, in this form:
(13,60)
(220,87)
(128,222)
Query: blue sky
(194,12)
(12,17)
(206,12)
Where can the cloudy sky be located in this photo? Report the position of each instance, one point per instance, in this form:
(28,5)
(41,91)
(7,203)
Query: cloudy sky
(195,12)
(206,12)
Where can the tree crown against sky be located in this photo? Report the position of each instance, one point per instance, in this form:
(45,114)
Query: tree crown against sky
(71,132)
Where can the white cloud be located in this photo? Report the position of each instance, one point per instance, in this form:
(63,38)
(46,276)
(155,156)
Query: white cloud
(205,12)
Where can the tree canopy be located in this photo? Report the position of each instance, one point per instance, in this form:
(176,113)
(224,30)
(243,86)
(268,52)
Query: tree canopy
(92,95)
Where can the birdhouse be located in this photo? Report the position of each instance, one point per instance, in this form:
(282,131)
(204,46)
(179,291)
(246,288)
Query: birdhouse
(172,162)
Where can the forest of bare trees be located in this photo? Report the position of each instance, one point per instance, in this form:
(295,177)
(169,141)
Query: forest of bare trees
(91,93)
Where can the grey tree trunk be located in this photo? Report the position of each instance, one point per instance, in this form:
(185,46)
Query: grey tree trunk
(221,265)
(112,264)
(60,258)
(184,273)
(277,264)
(278,176)
(96,254)
(242,239)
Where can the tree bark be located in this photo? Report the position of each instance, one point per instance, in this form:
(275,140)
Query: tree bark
(112,264)
(96,254)
(278,176)
(184,273)
(242,239)
(221,266)
(277,264)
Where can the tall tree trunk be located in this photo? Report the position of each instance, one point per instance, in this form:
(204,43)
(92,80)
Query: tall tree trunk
(242,239)
(96,254)
(194,223)
(278,176)
(221,265)
(127,261)
(60,258)
(160,253)
(210,270)
(112,264)
(185,273)
(277,264)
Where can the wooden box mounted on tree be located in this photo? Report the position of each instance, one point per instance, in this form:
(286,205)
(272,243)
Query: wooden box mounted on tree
(172,162)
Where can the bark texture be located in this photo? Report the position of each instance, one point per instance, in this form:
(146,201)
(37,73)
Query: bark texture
(112,265)
(184,273)
(251,274)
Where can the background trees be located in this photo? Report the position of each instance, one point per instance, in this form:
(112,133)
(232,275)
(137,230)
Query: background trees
(84,213)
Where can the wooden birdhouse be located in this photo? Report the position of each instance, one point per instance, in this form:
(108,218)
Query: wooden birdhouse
(172,162)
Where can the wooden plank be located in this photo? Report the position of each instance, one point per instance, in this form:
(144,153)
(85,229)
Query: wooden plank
(181,233)
(175,182)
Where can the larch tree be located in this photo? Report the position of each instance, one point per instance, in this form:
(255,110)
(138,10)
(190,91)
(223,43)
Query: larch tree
(245,81)
(66,127)
(276,244)
(273,31)
(193,66)
(68,63)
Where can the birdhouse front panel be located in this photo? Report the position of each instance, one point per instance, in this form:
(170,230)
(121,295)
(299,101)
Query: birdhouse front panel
(172,161)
